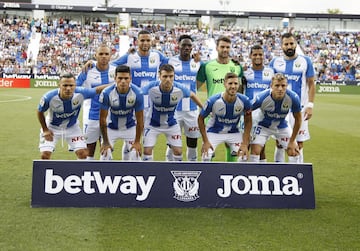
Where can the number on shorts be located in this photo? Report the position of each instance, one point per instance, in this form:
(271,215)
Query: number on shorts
(257,130)
(146,131)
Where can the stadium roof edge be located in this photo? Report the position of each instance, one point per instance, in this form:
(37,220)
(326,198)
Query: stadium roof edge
(234,13)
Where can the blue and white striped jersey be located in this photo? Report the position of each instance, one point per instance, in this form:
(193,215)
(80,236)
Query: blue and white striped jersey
(185,73)
(257,81)
(163,104)
(93,78)
(274,112)
(296,72)
(64,113)
(225,116)
(144,69)
(121,106)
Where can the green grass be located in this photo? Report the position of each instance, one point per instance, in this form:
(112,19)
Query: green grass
(333,225)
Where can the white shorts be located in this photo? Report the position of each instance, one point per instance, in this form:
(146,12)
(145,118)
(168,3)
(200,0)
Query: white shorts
(172,133)
(233,140)
(72,135)
(304,133)
(128,135)
(188,121)
(261,134)
(92,131)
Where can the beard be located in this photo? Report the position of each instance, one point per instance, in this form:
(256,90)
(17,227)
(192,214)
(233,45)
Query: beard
(289,52)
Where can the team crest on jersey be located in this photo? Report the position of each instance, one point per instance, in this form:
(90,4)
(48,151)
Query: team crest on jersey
(174,98)
(186,185)
(152,60)
(42,101)
(75,102)
(285,106)
(238,108)
(131,100)
(297,65)
(193,65)
(232,69)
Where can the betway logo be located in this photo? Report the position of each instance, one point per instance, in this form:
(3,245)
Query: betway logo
(257,86)
(228,121)
(218,81)
(121,112)
(185,78)
(275,115)
(90,182)
(292,77)
(164,109)
(66,115)
(141,74)
(241,185)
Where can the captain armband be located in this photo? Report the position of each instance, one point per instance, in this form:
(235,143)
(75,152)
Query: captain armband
(310,105)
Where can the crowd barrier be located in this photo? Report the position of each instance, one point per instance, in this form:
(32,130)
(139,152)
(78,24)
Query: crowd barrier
(51,81)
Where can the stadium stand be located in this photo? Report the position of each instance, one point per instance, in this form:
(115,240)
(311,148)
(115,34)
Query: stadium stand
(57,45)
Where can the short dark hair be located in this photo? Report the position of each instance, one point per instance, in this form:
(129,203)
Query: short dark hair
(256,47)
(230,75)
(167,68)
(185,36)
(287,35)
(279,77)
(223,38)
(144,32)
(122,68)
(67,75)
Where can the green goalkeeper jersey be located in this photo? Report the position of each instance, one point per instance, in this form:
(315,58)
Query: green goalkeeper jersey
(214,73)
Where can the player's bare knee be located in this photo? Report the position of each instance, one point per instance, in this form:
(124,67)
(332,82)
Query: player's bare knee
(177,151)
(300,145)
(45,155)
(148,150)
(82,153)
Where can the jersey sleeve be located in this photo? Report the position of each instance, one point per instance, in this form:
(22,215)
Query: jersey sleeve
(247,103)
(241,72)
(163,59)
(256,103)
(104,101)
(43,104)
(145,89)
(86,92)
(310,72)
(120,61)
(296,103)
(139,106)
(186,91)
(81,78)
(207,108)
(201,75)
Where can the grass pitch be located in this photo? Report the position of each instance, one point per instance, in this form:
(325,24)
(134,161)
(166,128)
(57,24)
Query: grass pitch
(333,225)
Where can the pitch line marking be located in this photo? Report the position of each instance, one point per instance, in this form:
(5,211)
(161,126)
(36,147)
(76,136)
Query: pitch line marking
(19,99)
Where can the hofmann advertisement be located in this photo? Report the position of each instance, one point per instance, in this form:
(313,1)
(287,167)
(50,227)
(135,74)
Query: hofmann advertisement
(169,184)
